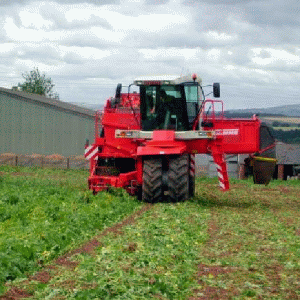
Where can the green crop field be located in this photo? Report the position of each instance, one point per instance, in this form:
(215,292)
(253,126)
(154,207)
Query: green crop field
(286,128)
(240,244)
(44,213)
(291,120)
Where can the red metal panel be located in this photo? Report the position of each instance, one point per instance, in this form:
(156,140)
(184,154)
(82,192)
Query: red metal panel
(163,143)
(239,135)
(111,146)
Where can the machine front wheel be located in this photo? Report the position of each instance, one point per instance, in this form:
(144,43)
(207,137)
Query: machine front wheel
(178,178)
(152,190)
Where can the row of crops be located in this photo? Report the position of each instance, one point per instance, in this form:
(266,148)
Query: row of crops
(43,213)
(242,244)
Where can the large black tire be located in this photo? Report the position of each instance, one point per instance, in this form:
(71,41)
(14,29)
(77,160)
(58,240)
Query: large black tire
(178,178)
(152,189)
(191,181)
(191,186)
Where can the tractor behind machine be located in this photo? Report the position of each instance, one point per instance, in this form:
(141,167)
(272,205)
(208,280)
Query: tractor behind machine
(146,142)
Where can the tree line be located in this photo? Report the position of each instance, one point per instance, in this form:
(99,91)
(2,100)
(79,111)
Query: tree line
(287,136)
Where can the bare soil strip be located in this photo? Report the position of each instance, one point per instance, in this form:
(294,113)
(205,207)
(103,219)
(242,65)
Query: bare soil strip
(209,292)
(44,275)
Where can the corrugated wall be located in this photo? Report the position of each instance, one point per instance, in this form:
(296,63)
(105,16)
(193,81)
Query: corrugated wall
(205,166)
(27,127)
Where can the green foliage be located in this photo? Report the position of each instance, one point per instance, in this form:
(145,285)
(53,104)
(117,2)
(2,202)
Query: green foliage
(44,213)
(245,239)
(281,124)
(239,244)
(37,83)
(291,136)
(154,258)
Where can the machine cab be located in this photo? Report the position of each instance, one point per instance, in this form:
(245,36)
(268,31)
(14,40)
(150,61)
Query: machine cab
(169,103)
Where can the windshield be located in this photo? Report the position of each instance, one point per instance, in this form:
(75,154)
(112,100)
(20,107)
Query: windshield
(168,106)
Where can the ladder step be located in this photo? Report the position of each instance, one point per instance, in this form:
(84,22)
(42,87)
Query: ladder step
(221,165)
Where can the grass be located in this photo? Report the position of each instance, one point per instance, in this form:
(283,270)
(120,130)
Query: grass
(240,244)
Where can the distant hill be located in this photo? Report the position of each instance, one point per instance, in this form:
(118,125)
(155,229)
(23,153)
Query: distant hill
(284,110)
(280,111)
(89,105)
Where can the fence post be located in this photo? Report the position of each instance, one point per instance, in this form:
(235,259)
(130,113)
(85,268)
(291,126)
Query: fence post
(16,160)
(280,172)
(68,163)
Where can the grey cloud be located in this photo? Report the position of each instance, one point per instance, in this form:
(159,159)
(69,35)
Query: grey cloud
(256,22)
(84,38)
(72,58)
(264,54)
(45,53)
(96,2)
(217,2)
(178,39)
(274,13)
(125,63)
(52,13)
(261,13)
(156,2)
(13,2)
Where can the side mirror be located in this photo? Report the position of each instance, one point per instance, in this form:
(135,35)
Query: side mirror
(216,90)
(118,90)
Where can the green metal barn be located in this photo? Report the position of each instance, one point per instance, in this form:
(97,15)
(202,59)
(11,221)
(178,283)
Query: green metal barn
(32,123)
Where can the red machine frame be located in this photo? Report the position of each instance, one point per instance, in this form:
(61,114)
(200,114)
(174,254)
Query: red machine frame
(121,137)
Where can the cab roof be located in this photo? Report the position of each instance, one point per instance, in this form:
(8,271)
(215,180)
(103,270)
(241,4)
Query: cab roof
(166,80)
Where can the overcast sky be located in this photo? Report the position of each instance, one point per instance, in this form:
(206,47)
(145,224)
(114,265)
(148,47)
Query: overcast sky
(251,47)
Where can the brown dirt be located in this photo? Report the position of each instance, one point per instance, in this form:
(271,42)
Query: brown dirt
(204,270)
(284,189)
(15,293)
(42,277)
(89,247)
(210,293)
(8,154)
(35,155)
(18,174)
(67,284)
(55,156)
(273,274)
(291,295)
(78,157)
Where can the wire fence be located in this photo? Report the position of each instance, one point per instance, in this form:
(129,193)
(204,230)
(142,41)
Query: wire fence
(61,162)
(42,161)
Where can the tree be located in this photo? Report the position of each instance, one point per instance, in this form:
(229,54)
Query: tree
(276,124)
(37,83)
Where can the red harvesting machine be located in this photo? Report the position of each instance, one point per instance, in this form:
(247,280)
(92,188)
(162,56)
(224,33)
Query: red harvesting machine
(146,142)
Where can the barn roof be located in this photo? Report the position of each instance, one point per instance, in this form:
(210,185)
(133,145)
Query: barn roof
(287,154)
(49,102)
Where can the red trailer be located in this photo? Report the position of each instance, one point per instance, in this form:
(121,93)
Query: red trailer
(146,142)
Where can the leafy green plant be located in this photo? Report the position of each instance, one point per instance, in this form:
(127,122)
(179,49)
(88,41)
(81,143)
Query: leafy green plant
(42,217)
(239,244)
